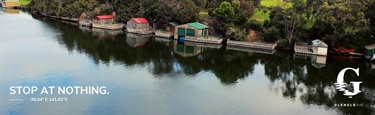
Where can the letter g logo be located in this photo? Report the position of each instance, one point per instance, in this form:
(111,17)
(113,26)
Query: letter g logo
(342,86)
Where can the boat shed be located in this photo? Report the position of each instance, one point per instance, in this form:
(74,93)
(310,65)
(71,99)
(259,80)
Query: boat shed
(319,47)
(104,19)
(11,3)
(191,30)
(171,27)
(138,24)
(370,51)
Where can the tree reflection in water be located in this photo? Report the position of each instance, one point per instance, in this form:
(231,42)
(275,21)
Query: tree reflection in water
(296,78)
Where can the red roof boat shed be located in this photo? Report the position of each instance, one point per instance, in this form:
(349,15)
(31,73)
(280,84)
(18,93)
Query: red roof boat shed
(140,20)
(138,24)
(105,17)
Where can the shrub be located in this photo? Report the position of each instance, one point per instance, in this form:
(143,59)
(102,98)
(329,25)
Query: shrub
(271,34)
(254,25)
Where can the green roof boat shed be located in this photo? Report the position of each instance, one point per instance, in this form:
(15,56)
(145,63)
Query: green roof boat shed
(192,30)
(370,51)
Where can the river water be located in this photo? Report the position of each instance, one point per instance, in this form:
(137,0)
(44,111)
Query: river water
(147,75)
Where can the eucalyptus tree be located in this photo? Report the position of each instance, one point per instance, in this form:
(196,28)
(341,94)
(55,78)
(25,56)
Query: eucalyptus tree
(290,21)
(338,17)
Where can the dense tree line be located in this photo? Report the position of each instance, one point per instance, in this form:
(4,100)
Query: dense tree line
(232,17)
(160,11)
(338,22)
(66,8)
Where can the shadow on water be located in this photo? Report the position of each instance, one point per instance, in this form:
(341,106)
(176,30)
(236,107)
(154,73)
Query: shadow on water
(166,58)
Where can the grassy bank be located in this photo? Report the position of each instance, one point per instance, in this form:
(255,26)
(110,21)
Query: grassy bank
(24,2)
(261,15)
(264,12)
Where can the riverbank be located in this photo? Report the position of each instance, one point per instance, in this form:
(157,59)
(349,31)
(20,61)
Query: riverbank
(244,44)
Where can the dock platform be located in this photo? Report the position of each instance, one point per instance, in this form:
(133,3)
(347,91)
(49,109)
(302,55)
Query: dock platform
(144,32)
(162,39)
(87,23)
(245,49)
(205,45)
(163,34)
(303,50)
(254,45)
(109,26)
(209,40)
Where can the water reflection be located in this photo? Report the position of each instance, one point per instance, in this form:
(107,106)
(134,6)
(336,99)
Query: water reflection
(310,76)
(12,11)
(309,80)
(101,34)
(136,40)
(316,60)
(187,49)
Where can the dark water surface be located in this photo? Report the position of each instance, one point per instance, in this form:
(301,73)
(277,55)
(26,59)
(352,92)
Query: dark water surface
(147,75)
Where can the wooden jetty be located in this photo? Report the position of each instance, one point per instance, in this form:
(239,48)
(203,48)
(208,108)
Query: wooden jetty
(85,23)
(164,34)
(109,26)
(254,45)
(303,50)
(142,32)
(246,49)
(162,39)
(317,48)
(208,39)
(205,45)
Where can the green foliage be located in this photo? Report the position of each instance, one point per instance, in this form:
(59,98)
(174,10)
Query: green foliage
(247,9)
(188,12)
(224,12)
(127,9)
(65,8)
(232,17)
(24,2)
(266,23)
(272,34)
(253,25)
(200,3)
(335,17)
(370,14)
(291,20)
(181,11)
(235,34)
(357,40)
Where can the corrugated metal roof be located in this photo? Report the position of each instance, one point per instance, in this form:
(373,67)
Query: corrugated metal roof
(198,25)
(105,17)
(140,20)
(319,43)
(371,46)
(173,23)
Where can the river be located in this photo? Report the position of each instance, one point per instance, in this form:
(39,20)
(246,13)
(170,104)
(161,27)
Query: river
(147,75)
